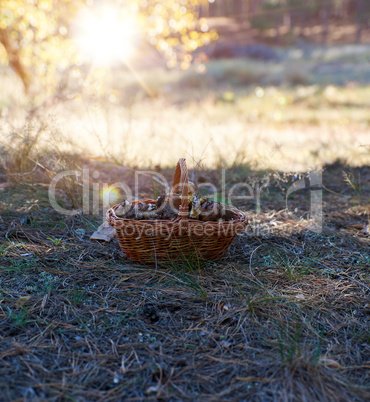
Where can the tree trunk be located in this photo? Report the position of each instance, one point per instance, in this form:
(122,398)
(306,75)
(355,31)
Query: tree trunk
(325,21)
(359,19)
(14,60)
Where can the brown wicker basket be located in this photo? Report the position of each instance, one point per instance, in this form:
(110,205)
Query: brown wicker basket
(152,241)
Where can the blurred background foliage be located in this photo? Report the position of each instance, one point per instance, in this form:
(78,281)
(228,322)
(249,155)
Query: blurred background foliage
(144,81)
(36,35)
(34,38)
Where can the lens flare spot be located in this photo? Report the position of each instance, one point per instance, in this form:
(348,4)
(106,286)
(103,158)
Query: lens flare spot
(110,195)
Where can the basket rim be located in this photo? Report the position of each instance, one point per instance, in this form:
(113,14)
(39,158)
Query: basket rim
(241,217)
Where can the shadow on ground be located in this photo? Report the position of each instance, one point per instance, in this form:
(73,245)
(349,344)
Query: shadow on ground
(282,316)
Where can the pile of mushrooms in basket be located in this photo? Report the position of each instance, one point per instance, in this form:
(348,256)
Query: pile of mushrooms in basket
(166,207)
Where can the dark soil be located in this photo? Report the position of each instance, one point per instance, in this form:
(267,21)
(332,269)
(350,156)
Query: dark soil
(283,316)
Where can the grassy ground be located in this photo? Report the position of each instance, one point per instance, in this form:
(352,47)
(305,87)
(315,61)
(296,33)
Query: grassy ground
(283,316)
(306,109)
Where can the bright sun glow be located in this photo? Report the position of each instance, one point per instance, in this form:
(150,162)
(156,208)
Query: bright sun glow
(106,34)
(110,195)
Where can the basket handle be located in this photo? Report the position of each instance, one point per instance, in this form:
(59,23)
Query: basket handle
(181,177)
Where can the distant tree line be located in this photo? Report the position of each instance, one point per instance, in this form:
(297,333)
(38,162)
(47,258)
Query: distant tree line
(289,15)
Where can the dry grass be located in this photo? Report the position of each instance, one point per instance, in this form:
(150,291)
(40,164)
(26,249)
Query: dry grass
(284,316)
(238,106)
(295,134)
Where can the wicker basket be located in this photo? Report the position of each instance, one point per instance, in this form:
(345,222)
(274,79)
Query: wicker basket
(152,241)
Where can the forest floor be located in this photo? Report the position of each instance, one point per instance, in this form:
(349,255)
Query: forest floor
(283,316)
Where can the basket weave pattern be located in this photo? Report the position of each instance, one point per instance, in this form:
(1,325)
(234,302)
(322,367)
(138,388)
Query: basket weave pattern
(152,241)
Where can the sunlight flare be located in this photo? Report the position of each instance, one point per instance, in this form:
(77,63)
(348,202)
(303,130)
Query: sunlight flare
(106,34)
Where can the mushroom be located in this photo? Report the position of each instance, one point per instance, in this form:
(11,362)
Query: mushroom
(123,208)
(196,206)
